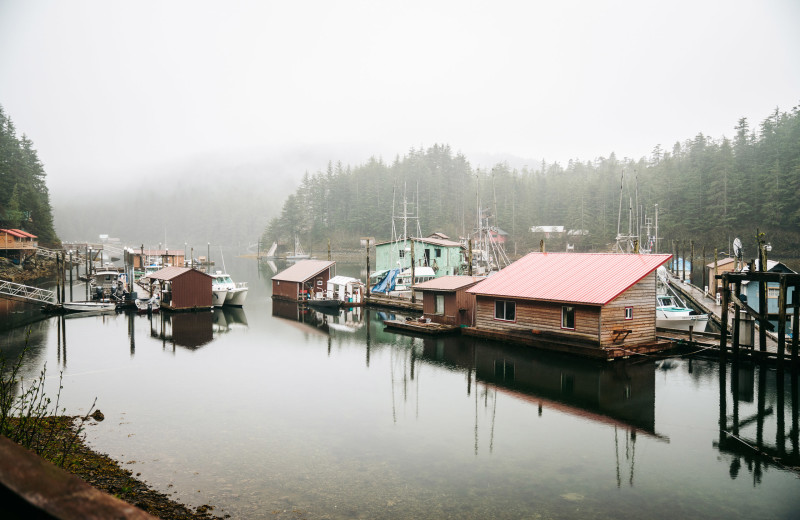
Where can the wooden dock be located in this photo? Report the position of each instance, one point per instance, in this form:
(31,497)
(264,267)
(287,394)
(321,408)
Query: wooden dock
(419,326)
(393,302)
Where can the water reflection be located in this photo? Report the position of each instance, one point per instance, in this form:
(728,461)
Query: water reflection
(758,400)
(190,330)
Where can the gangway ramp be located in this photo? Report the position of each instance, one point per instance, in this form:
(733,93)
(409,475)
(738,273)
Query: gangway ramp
(26,292)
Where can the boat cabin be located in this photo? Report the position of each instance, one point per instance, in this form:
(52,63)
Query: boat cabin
(161,257)
(183,288)
(303,279)
(596,305)
(445,300)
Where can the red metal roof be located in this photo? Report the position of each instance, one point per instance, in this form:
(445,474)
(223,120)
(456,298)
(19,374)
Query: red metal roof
(449,283)
(170,273)
(303,270)
(593,278)
(19,233)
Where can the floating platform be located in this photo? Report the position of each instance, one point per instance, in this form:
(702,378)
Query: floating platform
(567,345)
(423,327)
(393,302)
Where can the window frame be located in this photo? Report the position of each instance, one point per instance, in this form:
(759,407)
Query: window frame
(565,313)
(505,311)
(436,299)
(628,313)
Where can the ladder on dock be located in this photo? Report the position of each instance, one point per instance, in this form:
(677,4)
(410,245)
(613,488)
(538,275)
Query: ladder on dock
(26,292)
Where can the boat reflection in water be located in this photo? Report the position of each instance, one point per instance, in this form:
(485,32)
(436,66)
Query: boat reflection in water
(227,319)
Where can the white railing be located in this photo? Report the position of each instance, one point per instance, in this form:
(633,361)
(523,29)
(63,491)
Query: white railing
(26,292)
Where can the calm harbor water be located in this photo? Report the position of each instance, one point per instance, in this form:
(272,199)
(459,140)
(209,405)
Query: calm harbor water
(275,412)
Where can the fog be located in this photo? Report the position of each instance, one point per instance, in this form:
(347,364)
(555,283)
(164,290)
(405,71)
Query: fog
(131,103)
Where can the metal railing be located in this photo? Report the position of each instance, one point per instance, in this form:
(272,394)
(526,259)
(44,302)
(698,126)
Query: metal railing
(26,292)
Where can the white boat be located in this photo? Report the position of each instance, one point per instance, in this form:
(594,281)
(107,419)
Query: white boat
(219,290)
(298,254)
(237,295)
(671,311)
(670,314)
(226,292)
(148,305)
(90,306)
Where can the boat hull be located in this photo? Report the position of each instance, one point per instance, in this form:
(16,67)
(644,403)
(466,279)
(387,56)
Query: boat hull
(90,306)
(218,297)
(665,320)
(236,297)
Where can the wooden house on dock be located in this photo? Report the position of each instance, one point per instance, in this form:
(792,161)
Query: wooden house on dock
(445,300)
(182,288)
(596,305)
(303,279)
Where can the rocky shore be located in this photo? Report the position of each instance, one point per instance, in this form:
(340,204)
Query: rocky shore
(36,268)
(105,474)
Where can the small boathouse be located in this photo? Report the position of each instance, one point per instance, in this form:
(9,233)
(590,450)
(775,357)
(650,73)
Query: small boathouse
(596,305)
(182,288)
(445,300)
(300,281)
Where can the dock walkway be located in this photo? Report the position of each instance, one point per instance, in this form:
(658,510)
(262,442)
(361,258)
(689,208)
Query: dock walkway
(710,305)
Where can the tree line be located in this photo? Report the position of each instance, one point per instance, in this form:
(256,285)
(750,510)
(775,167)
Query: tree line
(24,198)
(706,189)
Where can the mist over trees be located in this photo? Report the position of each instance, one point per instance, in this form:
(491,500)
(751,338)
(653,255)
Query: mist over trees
(24,198)
(708,190)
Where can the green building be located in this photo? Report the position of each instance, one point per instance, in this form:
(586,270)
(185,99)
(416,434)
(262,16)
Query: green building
(437,251)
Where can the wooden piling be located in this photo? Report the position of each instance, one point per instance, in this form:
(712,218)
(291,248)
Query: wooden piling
(691,261)
(413,263)
(781,321)
(723,335)
(736,319)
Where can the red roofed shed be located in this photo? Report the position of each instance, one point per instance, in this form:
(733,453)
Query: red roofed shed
(304,278)
(601,305)
(183,288)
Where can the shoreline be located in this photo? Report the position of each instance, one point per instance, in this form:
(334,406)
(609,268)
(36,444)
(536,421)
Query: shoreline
(106,474)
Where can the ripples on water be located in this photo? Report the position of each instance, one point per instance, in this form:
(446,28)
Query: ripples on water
(275,411)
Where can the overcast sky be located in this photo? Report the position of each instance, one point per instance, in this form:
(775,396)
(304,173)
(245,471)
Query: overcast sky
(128,86)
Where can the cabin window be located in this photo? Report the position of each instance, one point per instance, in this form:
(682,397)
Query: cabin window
(438,307)
(628,313)
(772,292)
(402,253)
(279,282)
(319,282)
(506,311)
(438,253)
(568,317)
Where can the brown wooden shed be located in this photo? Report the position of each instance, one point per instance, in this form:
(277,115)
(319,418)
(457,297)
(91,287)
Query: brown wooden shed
(299,281)
(183,289)
(598,305)
(445,300)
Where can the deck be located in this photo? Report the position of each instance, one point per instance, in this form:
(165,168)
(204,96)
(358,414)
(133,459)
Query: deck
(418,326)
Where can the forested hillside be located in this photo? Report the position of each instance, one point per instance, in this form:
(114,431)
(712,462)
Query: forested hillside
(708,190)
(24,199)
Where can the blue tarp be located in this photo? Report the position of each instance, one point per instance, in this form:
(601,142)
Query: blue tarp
(387,283)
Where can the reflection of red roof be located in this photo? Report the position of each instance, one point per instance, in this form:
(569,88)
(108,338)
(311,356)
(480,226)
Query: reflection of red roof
(593,278)
(19,233)
(449,283)
(576,411)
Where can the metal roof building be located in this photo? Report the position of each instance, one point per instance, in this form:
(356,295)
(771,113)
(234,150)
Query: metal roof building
(299,281)
(593,278)
(182,288)
(597,305)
